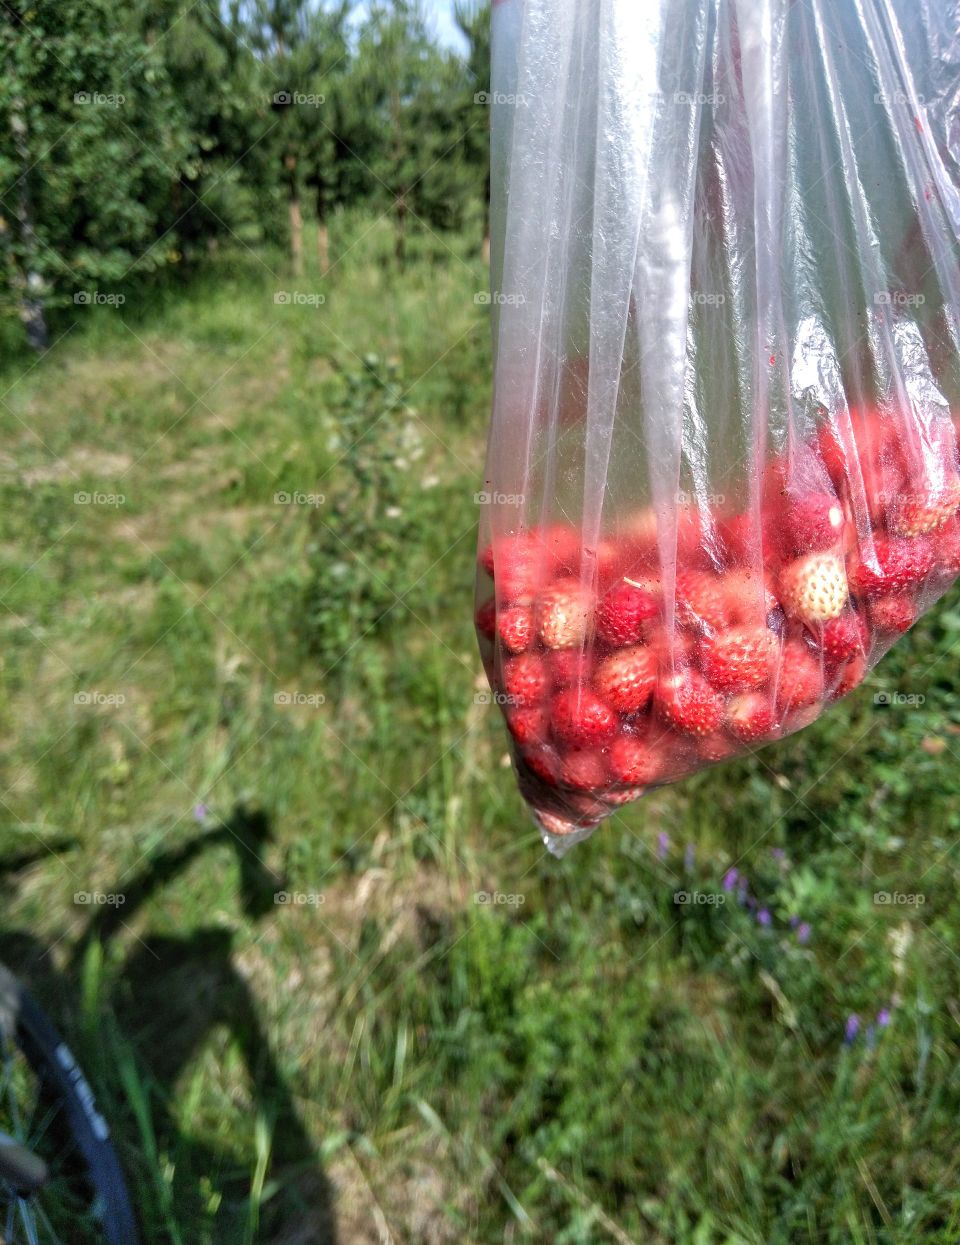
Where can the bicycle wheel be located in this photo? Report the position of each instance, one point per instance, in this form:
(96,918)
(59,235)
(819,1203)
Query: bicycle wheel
(77,1192)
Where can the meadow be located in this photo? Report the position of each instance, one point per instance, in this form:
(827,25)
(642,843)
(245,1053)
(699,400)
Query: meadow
(266,864)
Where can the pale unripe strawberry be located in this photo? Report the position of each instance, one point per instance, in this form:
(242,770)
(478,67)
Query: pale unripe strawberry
(814,588)
(563,614)
(924,510)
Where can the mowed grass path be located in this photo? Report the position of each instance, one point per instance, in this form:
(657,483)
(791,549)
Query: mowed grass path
(382,1057)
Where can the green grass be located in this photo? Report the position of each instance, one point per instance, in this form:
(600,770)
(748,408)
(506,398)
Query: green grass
(590,1063)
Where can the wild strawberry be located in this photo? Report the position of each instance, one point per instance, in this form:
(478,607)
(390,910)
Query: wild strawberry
(585,771)
(844,636)
(624,612)
(486,619)
(738,659)
(749,597)
(569,665)
(626,679)
(740,537)
(672,649)
(525,679)
(515,627)
(895,613)
(561,546)
(563,614)
(752,717)
(799,678)
(913,513)
(893,565)
(639,534)
(814,588)
(634,761)
(580,719)
(809,523)
(716,747)
(946,546)
(701,600)
(528,725)
(516,563)
(543,762)
(851,675)
(554,824)
(689,704)
(619,798)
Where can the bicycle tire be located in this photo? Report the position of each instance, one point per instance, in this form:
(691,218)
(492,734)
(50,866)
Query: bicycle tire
(56,1068)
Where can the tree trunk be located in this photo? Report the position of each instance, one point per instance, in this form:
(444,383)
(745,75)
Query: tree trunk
(28,282)
(296,216)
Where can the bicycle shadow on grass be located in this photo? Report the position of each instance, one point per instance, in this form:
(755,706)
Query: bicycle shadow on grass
(174,995)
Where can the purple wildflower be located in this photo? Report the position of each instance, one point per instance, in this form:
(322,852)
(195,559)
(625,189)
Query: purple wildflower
(730,879)
(852,1027)
(883,1017)
(763,916)
(803,932)
(663,844)
(200,812)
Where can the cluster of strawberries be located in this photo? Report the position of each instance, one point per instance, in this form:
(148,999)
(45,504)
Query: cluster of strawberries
(617,670)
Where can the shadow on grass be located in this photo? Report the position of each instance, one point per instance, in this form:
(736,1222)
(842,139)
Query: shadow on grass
(173,993)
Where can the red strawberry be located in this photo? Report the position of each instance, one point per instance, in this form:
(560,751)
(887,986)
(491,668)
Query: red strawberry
(897,564)
(561,545)
(516,563)
(624,612)
(585,771)
(946,544)
(672,649)
(632,760)
(716,747)
(580,719)
(525,679)
(701,600)
(569,665)
(809,524)
(752,717)
(749,597)
(814,588)
(893,613)
(627,678)
(844,636)
(486,619)
(619,798)
(738,659)
(515,626)
(799,679)
(913,513)
(689,704)
(851,676)
(563,614)
(528,725)
(543,762)
(740,537)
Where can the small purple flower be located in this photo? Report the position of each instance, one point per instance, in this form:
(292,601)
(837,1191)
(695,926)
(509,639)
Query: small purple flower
(763,916)
(663,844)
(689,857)
(794,922)
(852,1027)
(200,812)
(778,854)
(803,933)
(730,879)
(883,1017)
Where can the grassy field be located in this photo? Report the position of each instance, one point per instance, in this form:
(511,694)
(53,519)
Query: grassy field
(238,665)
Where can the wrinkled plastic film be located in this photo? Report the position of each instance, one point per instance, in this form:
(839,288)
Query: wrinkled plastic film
(722,473)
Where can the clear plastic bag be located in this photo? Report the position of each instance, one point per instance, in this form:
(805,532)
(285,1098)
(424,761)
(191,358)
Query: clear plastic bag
(722,474)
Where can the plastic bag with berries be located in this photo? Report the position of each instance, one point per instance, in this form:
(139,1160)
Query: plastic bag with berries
(722,475)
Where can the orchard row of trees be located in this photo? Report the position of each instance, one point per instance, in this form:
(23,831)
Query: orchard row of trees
(139,135)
